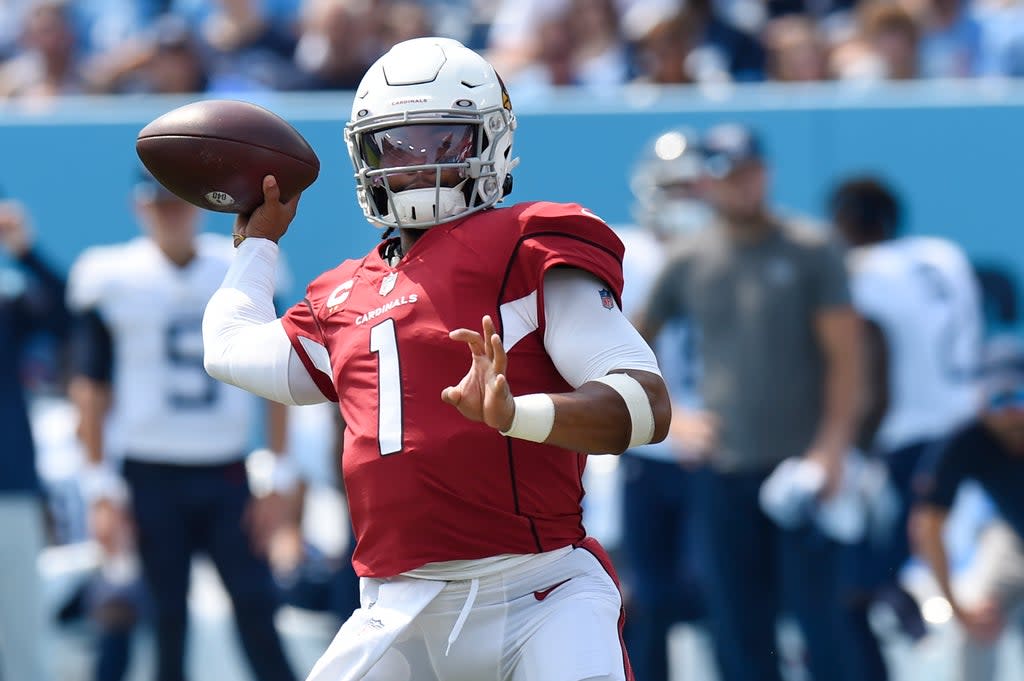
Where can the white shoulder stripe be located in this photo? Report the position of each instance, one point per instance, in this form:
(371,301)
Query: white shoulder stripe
(519,319)
(318,354)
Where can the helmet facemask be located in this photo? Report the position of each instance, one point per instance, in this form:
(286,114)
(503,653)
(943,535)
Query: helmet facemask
(419,169)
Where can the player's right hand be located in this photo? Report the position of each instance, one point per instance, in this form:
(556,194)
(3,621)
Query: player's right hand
(111,527)
(483,393)
(271,218)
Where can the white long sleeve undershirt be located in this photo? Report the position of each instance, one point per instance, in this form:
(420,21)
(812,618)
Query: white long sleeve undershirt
(245,344)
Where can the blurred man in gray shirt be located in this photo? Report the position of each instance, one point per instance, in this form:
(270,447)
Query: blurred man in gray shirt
(781,350)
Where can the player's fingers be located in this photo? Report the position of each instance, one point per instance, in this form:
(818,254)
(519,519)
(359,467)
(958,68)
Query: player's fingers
(472,338)
(501,385)
(271,192)
(498,355)
(488,326)
(452,395)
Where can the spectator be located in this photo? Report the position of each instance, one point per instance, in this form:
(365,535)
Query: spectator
(1002,37)
(166,60)
(923,322)
(336,45)
(179,436)
(950,40)
(47,65)
(31,300)
(780,348)
(989,450)
(796,51)
(405,21)
(247,49)
(658,539)
(894,35)
(661,52)
(599,54)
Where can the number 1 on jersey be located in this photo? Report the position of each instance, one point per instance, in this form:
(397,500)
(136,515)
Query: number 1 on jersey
(384,342)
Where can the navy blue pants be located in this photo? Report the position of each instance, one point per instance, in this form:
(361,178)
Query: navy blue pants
(659,548)
(755,571)
(871,569)
(181,510)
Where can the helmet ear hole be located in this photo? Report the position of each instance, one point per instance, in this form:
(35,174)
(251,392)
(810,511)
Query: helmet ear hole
(506,187)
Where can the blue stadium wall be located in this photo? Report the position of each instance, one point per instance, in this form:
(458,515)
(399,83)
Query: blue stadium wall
(953,149)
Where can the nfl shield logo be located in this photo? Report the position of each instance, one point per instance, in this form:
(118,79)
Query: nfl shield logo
(606,299)
(388,283)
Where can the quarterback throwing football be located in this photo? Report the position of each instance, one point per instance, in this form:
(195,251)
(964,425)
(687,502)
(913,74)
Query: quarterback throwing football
(464,485)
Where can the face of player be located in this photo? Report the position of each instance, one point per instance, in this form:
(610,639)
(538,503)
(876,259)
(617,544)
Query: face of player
(738,197)
(1004,414)
(169,220)
(420,145)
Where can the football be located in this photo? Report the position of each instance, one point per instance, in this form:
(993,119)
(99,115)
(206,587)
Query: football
(215,154)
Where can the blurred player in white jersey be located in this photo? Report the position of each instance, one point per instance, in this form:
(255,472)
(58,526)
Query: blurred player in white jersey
(921,304)
(658,538)
(166,443)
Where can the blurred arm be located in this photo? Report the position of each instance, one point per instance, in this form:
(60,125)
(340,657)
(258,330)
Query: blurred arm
(876,384)
(244,343)
(92,366)
(926,526)
(840,337)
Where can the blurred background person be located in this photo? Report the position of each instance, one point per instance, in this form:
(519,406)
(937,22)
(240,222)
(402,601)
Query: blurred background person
(248,48)
(335,45)
(779,343)
(659,545)
(796,50)
(989,449)
(165,443)
(47,64)
(923,333)
(165,59)
(950,39)
(31,301)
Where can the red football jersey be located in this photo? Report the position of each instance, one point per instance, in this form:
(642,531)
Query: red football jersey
(425,484)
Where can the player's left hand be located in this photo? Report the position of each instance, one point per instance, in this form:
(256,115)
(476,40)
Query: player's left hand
(483,393)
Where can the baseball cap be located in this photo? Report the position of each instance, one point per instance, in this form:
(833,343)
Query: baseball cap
(728,145)
(147,189)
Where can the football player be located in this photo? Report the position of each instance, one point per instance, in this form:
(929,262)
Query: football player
(165,442)
(658,540)
(464,486)
(31,302)
(923,321)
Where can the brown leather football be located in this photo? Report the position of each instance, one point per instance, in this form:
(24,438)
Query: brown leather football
(215,153)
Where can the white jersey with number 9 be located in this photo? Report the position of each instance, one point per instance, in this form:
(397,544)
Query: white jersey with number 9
(166,408)
(922,293)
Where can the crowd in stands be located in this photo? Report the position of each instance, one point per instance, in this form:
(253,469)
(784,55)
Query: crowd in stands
(55,47)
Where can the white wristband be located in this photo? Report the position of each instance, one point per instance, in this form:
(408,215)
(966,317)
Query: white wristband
(100,481)
(534,418)
(641,415)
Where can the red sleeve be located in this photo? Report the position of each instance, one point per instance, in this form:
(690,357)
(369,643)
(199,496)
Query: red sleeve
(303,329)
(569,235)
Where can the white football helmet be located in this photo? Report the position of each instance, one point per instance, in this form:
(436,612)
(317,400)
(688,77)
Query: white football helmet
(664,184)
(430,135)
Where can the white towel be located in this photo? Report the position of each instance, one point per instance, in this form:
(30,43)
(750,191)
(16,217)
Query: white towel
(389,607)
